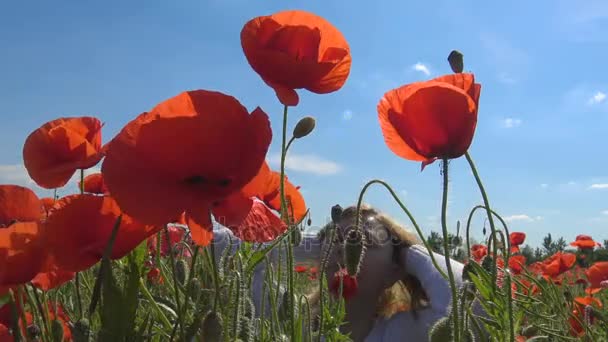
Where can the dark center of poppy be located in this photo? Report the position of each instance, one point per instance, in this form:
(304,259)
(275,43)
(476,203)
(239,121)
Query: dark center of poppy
(197,179)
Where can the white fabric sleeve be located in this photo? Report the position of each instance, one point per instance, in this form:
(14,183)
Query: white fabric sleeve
(404,326)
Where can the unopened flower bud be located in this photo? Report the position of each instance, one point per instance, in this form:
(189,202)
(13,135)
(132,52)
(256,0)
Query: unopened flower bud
(530,331)
(441,330)
(304,127)
(456,61)
(353,251)
(180,271)
(57,330)
(212,328)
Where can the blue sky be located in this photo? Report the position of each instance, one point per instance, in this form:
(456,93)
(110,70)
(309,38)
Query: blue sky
(540,143)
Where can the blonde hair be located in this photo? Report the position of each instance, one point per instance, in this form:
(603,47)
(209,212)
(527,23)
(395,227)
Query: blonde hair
(406,294)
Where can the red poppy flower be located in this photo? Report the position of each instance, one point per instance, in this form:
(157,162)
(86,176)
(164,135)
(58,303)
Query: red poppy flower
(54,152)
(5,335)
(154,276)
(578,314)
(51,275)
(294,50)
(558,263)
(253,221)
(517,263)
(300,269)
(349,284)
(18,204)
(80,229)
(597,273)
(430,120)
(48,204)
(479,252)
(21,252)
(585,242)
(517,238)
(176,235)
(155,177)
(94,184)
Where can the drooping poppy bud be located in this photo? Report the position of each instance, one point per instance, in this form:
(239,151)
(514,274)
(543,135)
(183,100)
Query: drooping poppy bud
(304,127)
(354,249)
(212,327)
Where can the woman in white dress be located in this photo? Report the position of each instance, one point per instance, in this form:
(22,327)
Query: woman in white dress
(395,267)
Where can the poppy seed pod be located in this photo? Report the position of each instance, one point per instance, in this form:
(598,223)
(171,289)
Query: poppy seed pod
(530,331)
(354,250)
(456,61)
(57,330)
(441,330)
(304,127)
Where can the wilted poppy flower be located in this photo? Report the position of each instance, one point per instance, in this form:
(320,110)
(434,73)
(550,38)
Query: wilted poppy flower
(517,238)
(558,263)
(94,184)
(53,152)
(296,49)
(18,204)
(479,252)
(21,252)
(156,177)
(349,284)
(247,213)
(80,229)
(585,242)
(430,120)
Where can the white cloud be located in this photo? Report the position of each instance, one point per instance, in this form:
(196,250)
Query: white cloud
(404,193)
(598,186)
(544,185)
(306,163)
(604,212)
(598,97)
(17,174)
(347,115)
(522,217)
(422,68)
(511,122)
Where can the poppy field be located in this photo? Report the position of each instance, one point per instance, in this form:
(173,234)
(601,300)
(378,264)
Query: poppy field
(131,256)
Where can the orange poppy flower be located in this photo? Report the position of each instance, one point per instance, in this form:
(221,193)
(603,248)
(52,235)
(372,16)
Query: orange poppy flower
(430,120)
(53,152)
(18,204)
(597,273)
(585,242)
(253,221)
(517,238)
(94,184)
(558,263)
(155,177)
(21,252)
(80,229)
(294,50)
(479,252)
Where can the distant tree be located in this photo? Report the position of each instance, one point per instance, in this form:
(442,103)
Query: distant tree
(551,247)
(435,242)
(548,243)
(528,252)
(560,245)
(538,254)
(605,244)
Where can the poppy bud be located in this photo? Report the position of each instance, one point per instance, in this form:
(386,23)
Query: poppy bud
(304,127)
(57,330)
(529,331)
(336,213)
(80,330)
(194,288)
(354,250)
(487,263)
(180,271)
(441,330)
(456,61)
(212,327)
(33,331)
(309,222)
